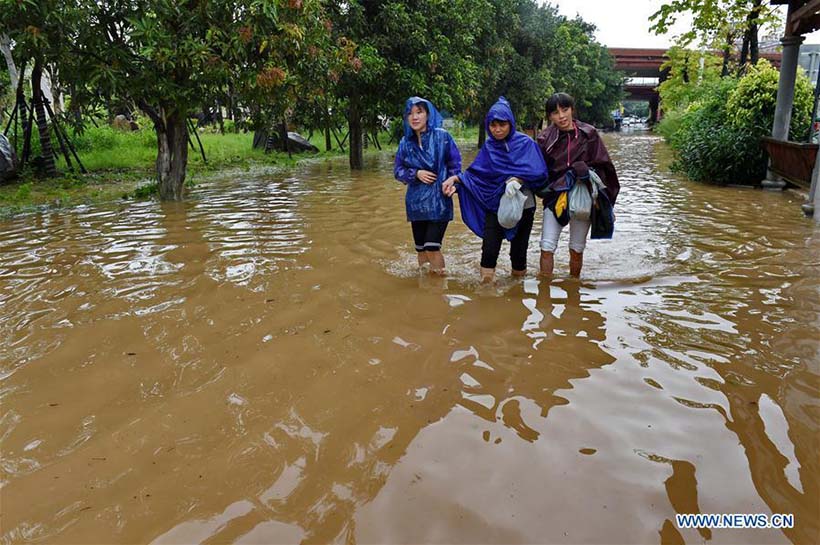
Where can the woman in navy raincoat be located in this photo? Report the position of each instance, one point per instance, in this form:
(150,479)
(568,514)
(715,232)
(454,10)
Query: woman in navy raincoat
(508,157)
(427,155)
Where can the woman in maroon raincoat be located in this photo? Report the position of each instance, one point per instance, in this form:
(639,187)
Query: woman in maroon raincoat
(569,146)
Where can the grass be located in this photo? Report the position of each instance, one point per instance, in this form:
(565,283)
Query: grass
(464,134)
(121,165)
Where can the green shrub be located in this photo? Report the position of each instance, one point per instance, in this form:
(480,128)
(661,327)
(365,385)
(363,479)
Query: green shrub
(751,106)
(94,139)
(669,124)
(716,137)
(145,191)
(720,153)
(105,138)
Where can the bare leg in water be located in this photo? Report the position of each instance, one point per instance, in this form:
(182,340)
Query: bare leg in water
(423,259)
(547,263)
(576,261)
(436,260)
(487,275)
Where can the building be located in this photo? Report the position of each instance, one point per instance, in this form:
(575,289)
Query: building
(809,60)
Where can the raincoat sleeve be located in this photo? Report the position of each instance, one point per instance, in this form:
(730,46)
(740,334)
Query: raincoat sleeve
(405,175)
(600,161)
(453,157)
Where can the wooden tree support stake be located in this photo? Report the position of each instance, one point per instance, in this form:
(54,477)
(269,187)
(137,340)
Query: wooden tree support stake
(192,129)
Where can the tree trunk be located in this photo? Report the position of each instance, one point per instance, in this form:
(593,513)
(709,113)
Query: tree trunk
(53,85)
(328,143)
(42,124)
(744,52)
(5,48)
(482,135)
(260,139)
(727,53)
(355,123)
(219,117)
(172,152)
(22,112)
(284,139)
(754,53)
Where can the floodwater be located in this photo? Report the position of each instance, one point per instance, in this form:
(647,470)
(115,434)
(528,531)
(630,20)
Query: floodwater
(264,364)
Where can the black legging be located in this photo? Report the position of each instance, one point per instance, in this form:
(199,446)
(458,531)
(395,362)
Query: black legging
(494,235)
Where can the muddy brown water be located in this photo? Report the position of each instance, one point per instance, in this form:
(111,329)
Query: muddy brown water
(264,364)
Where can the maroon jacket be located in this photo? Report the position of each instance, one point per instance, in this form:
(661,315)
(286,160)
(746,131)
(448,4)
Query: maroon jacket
(585,149)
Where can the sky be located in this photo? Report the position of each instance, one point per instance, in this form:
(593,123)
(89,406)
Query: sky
(625,23)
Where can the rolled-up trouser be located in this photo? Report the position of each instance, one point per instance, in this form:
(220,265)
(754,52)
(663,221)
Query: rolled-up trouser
(551,230)
(428,235)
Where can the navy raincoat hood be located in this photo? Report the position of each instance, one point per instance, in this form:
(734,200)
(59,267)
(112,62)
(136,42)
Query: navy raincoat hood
(483,183)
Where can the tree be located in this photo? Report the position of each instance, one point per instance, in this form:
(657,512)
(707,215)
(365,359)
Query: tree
(532,51)
(688,72)
(586,70)
(717,23)
(405,48)
(170,57)
(294,79)
(38,29)
(637,108)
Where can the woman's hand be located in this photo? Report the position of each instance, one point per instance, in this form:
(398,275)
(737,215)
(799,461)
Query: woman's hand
(449,186)
(513,185)
(425,176)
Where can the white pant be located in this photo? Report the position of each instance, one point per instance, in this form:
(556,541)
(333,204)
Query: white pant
(551,230)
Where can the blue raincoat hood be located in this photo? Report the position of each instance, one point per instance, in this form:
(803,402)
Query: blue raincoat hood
(483,183)
(500,111)
(434,119)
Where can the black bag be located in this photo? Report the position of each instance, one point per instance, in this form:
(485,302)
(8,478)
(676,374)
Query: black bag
(603,220)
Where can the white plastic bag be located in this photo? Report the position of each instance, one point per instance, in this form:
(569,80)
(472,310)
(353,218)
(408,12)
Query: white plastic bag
(580,202)
(511,206)
(597,184)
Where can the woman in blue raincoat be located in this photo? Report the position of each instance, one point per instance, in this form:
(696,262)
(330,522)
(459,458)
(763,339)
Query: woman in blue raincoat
(508,161)
(427,155)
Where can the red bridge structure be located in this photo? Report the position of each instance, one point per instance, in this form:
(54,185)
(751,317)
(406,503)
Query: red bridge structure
(647,63)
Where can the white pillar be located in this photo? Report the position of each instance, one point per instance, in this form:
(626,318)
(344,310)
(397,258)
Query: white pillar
(812,206)
(785,99)
(816,191)
(785,88)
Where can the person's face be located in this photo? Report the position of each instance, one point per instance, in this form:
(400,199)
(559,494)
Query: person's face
(417,118)
(562,118)
(499,129)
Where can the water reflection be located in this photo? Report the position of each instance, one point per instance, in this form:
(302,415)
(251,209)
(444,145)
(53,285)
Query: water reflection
(264,364)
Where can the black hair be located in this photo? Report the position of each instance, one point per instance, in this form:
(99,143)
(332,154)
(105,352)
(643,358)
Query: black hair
(422,105)
(559,99)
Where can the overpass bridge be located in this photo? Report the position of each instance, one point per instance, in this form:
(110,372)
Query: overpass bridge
(645,64)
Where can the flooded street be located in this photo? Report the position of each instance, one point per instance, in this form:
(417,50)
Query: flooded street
(264,364)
